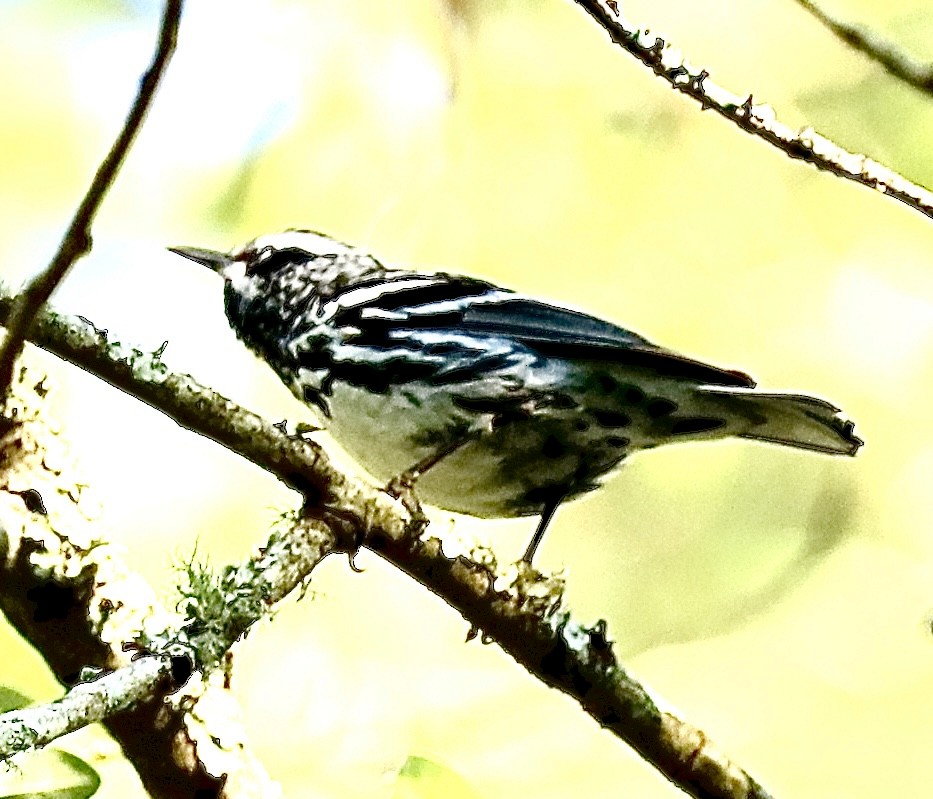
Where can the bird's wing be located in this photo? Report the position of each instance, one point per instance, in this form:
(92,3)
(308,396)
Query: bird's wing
(452,303)
(558,332)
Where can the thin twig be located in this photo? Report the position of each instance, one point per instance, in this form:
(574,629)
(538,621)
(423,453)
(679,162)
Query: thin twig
(912,71)
(756,119)
(77,241)
(526,620)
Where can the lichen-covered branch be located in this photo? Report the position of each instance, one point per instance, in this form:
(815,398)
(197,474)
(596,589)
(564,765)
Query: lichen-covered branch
(77,240)
(86,703)
(75,600)
(526,620)
(757,119)
(915,73)
(221,610)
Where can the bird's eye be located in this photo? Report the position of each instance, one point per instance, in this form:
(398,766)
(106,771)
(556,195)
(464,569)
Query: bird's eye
(269,260)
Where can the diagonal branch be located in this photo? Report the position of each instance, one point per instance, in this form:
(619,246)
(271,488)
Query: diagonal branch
(913,72)
(86,703)
(758,120)
(77,240)
(526,620)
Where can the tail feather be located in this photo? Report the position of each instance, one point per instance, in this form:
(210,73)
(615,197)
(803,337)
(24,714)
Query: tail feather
(791,419)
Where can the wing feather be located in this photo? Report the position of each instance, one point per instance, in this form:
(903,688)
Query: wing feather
(462,304)
(558,332)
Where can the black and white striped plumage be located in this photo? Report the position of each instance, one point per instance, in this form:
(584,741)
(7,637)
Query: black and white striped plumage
(543,401)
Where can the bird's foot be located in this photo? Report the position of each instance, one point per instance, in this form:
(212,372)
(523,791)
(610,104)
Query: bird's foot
(402,487)
(351,535)
(301,430)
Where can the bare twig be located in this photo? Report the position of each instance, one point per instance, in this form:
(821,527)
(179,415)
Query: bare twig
(758,120)
(526,620)
(913,72)
(77,241)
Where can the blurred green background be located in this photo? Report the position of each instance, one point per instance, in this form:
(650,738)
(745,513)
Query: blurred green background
(778,599)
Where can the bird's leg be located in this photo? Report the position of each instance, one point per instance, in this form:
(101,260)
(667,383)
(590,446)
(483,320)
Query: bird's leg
(546,515)
(402,486)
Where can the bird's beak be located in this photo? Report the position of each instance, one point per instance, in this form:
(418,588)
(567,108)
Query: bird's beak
(209,258)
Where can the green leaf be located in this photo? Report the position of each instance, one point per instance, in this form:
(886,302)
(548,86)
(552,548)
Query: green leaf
(49,774)
(420,778)
(11,699)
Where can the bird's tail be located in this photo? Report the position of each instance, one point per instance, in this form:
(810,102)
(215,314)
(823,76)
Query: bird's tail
(790,419)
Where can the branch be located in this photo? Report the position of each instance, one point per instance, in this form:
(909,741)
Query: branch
(301,465)
(77,240)
(526,620)
(758,120)
(913,72)
(222,609)
(221,612)
(75,600)
(86,703)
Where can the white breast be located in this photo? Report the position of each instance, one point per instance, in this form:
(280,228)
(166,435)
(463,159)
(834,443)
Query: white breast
(386,433)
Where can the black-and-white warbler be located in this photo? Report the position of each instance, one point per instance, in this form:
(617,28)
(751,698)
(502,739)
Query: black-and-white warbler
(500,405)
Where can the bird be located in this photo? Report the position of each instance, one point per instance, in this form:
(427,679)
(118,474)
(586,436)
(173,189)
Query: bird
(488,402)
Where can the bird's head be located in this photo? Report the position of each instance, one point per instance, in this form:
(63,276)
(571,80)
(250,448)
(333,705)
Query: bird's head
(259,264)
(278,272)
(273,280)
